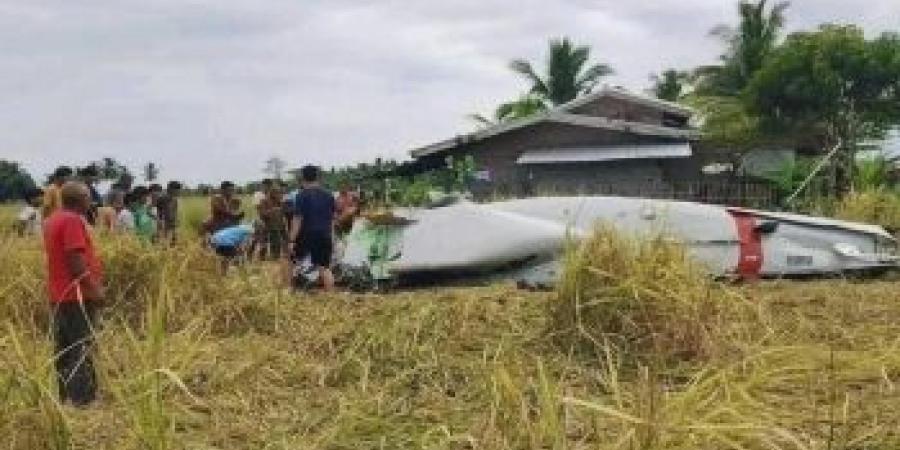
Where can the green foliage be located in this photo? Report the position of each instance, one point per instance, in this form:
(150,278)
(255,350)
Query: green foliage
(416,193)
(368,178)
(726,121)
(670,85)
(463,171)
(14,181)
(382,183)
(873,172)
(832,80)
(748,47)
(110,169)
(791,176)
(568,73)
(718,89)
(832,83)
(523,107)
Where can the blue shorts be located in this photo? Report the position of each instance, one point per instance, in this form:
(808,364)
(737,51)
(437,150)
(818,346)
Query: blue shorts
(318,246)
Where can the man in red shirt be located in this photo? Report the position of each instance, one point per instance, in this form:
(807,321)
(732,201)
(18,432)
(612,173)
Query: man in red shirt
(74,278)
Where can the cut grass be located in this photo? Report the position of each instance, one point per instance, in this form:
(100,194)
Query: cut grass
(188,359)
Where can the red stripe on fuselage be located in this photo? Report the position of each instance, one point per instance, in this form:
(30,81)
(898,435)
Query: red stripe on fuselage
(750,259)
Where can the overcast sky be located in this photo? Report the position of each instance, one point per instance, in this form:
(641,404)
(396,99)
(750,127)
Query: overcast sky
(209,89)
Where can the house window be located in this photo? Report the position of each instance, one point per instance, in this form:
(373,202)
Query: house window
(717,168)
(674,120)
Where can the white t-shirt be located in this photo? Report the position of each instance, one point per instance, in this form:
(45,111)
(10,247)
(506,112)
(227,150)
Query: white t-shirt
(31,218)
(125,220)
(258,197)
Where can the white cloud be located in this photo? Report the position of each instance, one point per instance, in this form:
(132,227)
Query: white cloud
(209,89)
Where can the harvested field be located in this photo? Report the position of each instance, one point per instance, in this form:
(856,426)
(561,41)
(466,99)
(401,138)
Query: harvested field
(190,360)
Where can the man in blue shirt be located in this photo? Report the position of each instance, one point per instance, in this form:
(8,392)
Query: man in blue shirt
(312,225)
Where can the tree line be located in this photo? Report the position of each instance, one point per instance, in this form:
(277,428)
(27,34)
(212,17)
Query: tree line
(16,182)
(829,89)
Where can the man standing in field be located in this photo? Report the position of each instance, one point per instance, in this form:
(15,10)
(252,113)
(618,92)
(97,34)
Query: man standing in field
(28,222)
(145,226)
(167,209)
(89,176)
(74,279)
(225,209)
(122,186)
(259,241)
(261,194)
(313,224)
(272,224)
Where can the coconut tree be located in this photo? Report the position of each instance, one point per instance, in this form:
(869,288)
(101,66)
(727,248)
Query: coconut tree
(670,85)
(748,46)
(151,172)
(568,73)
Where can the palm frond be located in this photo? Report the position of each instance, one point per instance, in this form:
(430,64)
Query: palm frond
(592,76)
(567,73)
(524,68)
(518,109)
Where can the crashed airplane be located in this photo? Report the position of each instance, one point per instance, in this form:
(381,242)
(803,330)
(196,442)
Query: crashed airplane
(524,239)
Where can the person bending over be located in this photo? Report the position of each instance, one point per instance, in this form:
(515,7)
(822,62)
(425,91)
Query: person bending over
(231,243)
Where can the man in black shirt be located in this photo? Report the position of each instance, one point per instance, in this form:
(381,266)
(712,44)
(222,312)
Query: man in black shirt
(312,225)
(167,212)
(89,176)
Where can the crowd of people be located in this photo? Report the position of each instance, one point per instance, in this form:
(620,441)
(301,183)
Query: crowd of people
(296,227)
(149,212)
(299,226)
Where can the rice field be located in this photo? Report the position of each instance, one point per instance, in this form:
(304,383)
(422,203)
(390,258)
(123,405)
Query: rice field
(635,350)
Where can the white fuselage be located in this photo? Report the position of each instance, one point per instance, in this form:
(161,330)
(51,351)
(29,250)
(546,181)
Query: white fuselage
(478,237)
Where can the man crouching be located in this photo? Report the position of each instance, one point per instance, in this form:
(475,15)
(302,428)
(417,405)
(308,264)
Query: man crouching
(231,244)
(74,279)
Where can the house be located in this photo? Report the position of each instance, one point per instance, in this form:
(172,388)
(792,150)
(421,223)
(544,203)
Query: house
(611,141)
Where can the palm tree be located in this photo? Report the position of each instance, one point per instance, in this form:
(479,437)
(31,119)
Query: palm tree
(757,36)
(748,47)
(275,167)
(151,172)
(520,108)
(669,85)
(568,74)
(110,169)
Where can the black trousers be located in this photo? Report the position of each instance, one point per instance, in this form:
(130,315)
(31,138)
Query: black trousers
(271,243)
(72,323)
